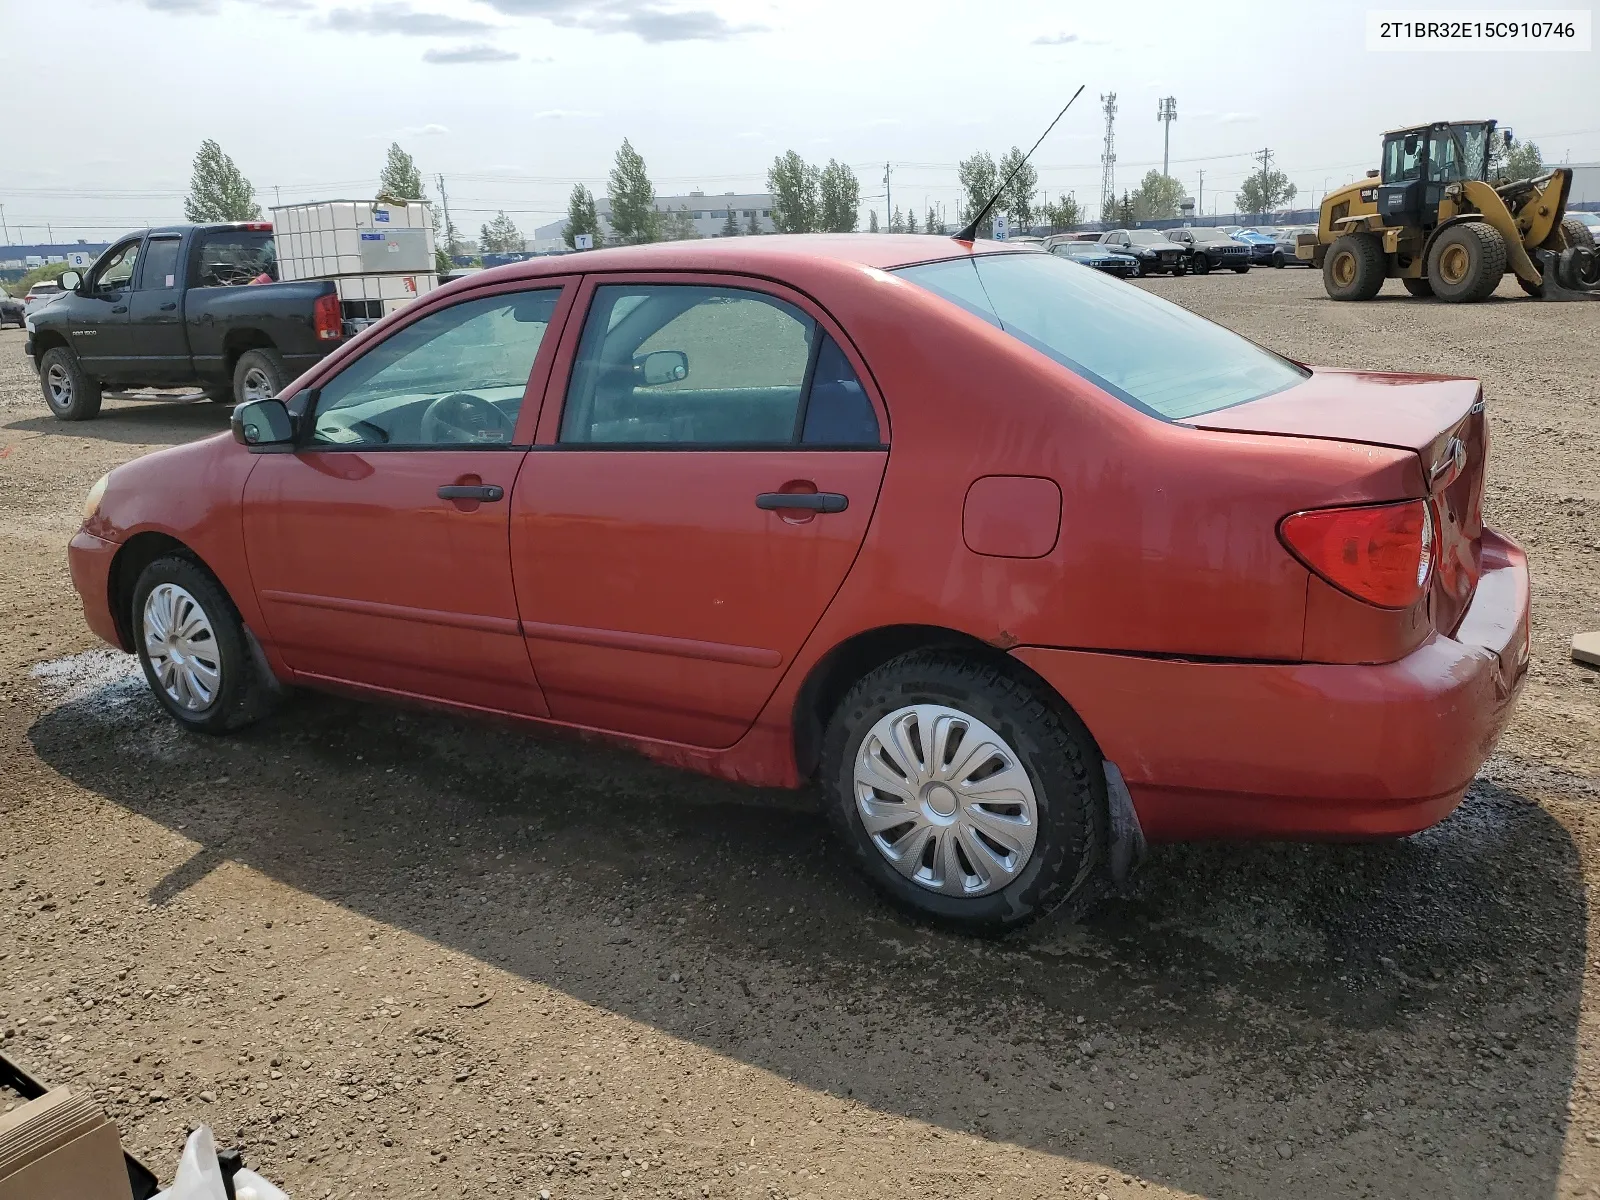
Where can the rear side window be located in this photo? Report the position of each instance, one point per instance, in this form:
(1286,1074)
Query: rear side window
(160,269)
(1151,354)
(710,367)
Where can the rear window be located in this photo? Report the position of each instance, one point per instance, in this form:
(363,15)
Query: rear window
(232,257)
(1145,351)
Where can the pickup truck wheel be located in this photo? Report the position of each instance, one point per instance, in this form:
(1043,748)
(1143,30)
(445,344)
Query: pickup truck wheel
(220,395)
(258,375)
(71,394)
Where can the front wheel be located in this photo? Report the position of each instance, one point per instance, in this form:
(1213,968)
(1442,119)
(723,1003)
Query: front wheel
(1241,268)
(194,649)
(1202,265)
(962,795)
(1354,268)
(1466,261)
(70,394)
(1277,259)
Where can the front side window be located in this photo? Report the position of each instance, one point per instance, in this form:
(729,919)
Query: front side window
(1149,353)
(709,367)
(454,378)
(160,270)
(233,257)
(116,272)
(1402,158)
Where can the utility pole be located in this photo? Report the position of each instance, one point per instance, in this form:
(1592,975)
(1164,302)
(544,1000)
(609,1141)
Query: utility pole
(1264,157)
(4,232)
(1108,159)
(888,197)
(1200,200)
(444,200)
(1166,113)
(277,196)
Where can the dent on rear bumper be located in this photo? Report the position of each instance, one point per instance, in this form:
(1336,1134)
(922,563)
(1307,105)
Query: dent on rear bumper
(89,559)
(1214,749)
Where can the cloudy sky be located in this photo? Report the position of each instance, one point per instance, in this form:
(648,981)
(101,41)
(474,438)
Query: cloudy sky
(514,100)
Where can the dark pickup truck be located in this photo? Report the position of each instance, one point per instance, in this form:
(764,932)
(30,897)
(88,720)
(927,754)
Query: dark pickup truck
(184,306)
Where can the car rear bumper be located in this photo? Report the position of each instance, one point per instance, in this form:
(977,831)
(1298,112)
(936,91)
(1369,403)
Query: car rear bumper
(1306,750)
(89,559)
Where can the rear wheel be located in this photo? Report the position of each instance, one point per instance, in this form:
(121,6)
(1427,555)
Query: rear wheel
(1277,259)
(1466,262)
(1354,268)
(194,649)
(1571,233)
(258,375)
(962,795)
(70,394)
(1420,288)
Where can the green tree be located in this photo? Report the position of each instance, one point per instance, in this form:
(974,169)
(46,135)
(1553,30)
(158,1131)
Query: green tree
(399,179)
(977,175)
(1062,213)
(730,226)
(911,221)
(795,185)
(897,221)
(679,226)
(1263,192)
(1156,198)
(217,191)
(633,200)
(753,226)
(500,236)
(933,225)
(1520,160)
(872,221)
(1125,215)
(1018,201)
(581,217)
(840,198)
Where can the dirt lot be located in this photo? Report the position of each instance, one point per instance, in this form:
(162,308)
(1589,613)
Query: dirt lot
(396,954)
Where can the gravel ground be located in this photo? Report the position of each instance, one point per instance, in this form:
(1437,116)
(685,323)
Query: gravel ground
(392,953)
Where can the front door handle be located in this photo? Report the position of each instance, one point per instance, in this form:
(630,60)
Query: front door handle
(121,308)
(466,491)
(169,306)
(827,502)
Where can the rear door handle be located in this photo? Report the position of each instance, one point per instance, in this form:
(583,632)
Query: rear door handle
(465,491)
(828,502)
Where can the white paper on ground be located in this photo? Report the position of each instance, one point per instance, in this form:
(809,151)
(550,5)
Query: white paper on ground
(199,1176)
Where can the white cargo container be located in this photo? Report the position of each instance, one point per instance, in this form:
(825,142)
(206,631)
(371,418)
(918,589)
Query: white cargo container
(379,254)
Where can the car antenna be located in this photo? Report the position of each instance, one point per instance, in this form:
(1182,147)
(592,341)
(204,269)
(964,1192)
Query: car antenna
(970,233)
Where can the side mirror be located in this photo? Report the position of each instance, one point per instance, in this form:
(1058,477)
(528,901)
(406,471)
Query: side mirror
(69,280)
(263,425)
(660,366)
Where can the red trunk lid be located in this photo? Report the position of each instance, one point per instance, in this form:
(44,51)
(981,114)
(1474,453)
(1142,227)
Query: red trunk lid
(1440,420)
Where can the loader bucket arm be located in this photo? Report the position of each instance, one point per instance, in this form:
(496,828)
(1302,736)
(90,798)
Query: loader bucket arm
(1492,209)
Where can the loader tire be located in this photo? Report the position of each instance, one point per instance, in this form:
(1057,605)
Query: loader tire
(1466,262)
(1573,233)
(1354,268)
(1419,288)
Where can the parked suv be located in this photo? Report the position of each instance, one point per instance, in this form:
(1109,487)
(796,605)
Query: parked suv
(1210,248)
(1157,255)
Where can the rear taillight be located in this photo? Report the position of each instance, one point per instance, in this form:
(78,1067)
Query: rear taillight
(325,315)
(1382,553)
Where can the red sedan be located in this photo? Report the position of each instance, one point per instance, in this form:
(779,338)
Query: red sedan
(1015,560)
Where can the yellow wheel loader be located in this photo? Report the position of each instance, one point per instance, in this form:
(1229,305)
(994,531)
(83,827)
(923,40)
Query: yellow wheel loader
(1432,219)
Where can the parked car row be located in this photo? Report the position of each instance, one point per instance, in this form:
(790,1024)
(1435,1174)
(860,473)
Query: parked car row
(1137,252)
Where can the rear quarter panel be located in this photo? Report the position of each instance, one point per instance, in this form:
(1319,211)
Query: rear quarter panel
(280,311)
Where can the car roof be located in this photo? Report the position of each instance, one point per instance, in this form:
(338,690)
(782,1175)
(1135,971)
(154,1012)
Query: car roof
(769,252)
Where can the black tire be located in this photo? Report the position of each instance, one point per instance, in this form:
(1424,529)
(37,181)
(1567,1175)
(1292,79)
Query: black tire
(1201,265)
(1354,267)
(220,395)
(1277,259)
(1055,752)
(257,370)
(69,393)
(1419,288)
(1466,262)
(245,692)
(1179,271)
(1241,269)
(1569,233)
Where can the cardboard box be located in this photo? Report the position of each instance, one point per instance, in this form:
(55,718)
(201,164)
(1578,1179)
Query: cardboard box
(61,1146)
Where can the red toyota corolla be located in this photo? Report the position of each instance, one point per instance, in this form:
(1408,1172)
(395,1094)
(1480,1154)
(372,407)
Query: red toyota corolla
(1014,559)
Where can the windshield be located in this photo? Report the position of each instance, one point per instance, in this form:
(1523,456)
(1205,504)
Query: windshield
(1211,235)
(1147,237)
(1147,352)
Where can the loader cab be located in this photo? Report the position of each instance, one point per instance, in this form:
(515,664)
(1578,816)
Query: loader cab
(1418,164)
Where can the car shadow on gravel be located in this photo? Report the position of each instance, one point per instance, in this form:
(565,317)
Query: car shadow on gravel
(1250,1021)
(137,422)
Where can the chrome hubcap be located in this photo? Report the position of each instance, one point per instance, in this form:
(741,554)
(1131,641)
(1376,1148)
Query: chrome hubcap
(257,386)
(945,800)
(60,385)
(182,647)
